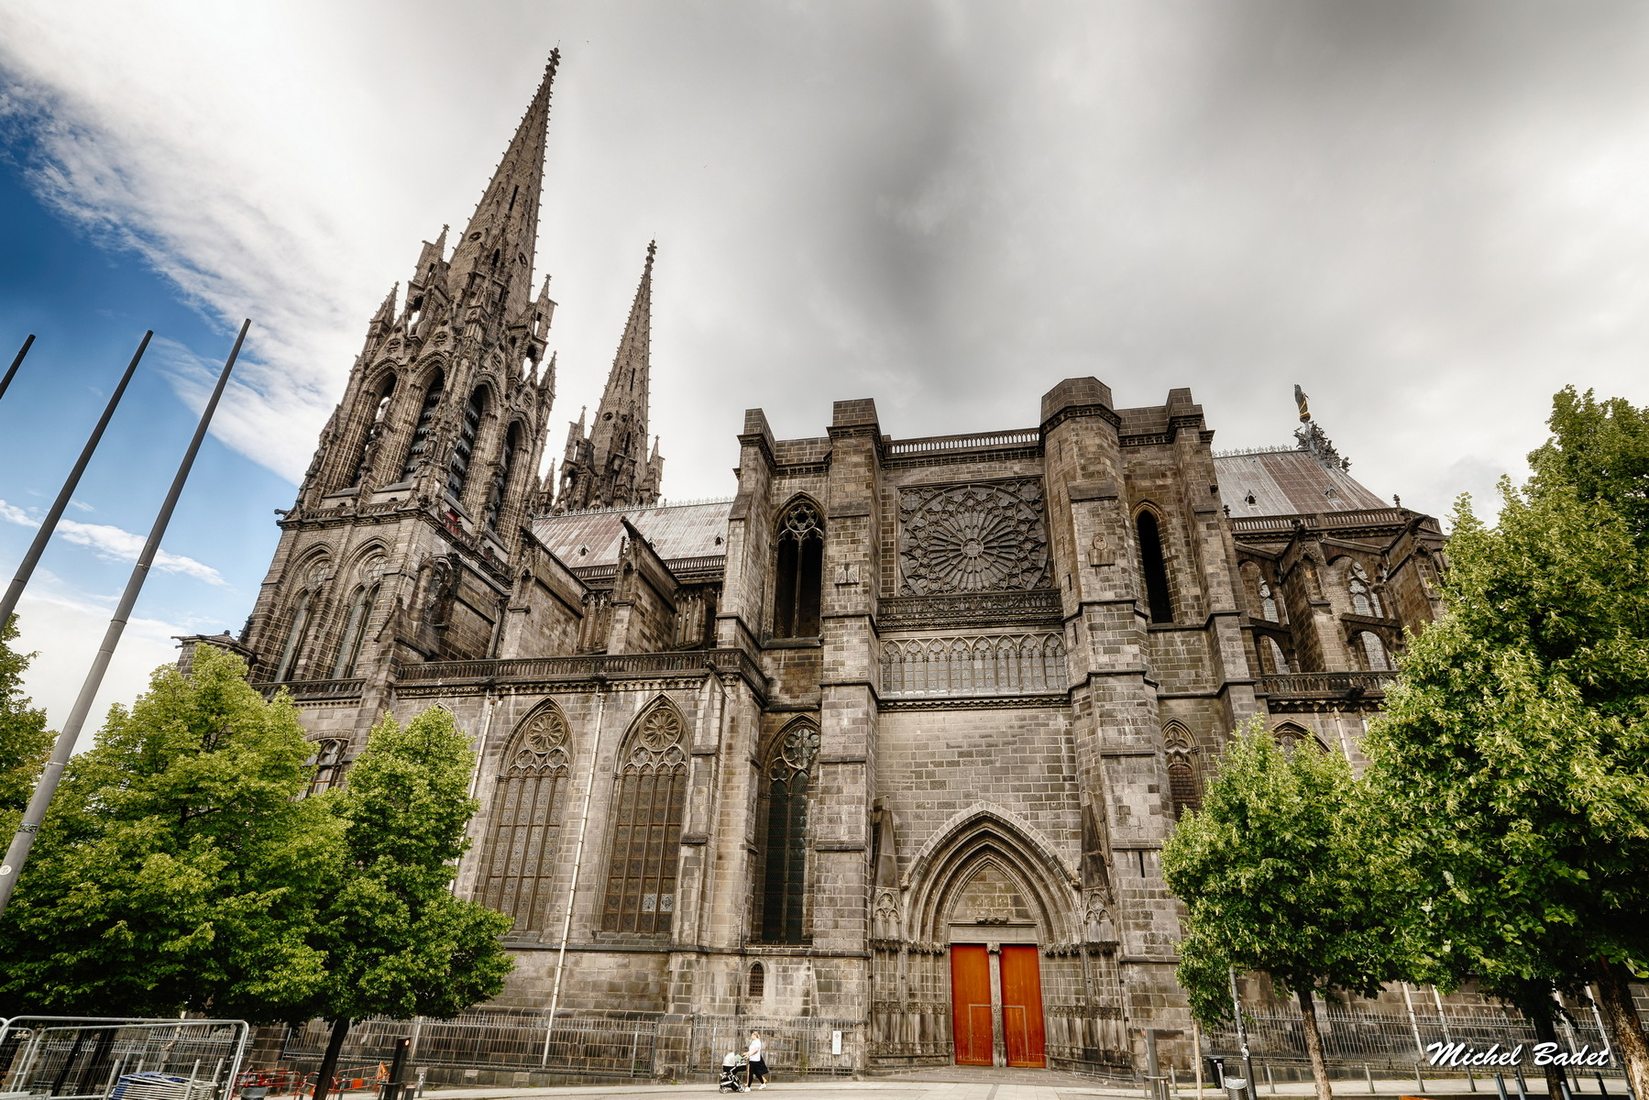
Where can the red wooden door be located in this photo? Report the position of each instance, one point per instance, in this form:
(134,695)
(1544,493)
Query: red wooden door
(1022,1005)
(970,993)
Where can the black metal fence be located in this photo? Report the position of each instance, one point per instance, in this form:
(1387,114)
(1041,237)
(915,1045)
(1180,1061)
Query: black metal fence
(795,1047)
(583,1045)
(74,1058)
(1355,1041)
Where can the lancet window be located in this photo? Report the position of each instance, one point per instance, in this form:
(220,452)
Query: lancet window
(1184,780)
(523,835)
(799,573)
(1268,603)
(374,432)
(297,624)
(328,763)
(1364,600)
(458,468)
(1154,567)
(787,781)
(418,452)
(355,626)
(649,799)
(501,482)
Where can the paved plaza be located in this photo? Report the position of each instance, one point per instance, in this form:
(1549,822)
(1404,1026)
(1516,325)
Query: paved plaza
(955,1083)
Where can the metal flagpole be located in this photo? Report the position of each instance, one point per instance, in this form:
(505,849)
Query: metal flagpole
(18,853)
(49,524)
(12,370)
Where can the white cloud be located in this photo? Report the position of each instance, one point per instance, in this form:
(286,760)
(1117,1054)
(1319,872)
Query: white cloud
(864,205)
(115,544)
(64,629)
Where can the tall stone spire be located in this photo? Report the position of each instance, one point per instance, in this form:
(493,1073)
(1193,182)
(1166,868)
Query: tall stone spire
(492,265)
(609,467)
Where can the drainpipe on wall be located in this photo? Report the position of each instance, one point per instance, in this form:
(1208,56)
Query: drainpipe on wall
(487,704)
(578,862)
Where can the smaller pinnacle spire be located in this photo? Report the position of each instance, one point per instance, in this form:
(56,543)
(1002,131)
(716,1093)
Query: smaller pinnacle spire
(387,310)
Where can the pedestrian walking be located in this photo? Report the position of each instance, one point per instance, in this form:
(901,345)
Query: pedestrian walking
(756,1057)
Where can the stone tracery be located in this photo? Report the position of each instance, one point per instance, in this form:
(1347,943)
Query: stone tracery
(973,538)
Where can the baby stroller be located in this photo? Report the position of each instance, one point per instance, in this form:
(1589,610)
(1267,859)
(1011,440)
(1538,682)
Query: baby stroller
(733,1070)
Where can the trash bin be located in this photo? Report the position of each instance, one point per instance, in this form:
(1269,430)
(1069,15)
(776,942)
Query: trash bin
(1236,1088)
(1215,1071)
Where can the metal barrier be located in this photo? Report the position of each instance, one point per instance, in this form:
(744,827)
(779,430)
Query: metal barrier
(1391,1041)
(795,1047)
(118,1058)
(601,1046)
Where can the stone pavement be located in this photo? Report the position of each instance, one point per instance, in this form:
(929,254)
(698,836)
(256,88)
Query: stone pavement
(962,1083)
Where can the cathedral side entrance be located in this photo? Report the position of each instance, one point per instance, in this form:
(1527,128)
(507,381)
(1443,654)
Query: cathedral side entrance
(995,971)
(996,1004)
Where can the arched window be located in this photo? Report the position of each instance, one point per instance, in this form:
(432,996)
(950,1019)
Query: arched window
(1154,566)
(647,808)
(1290,736)
(1279,663)
(1268,603)
(520,860)
(800,572)
(349,650)
(1184,784)
(758,982)
(421,442)
(328,763)
(1372,651)
(1364,600)
(374,432)
(787,778)
(458,468)
(500,483)
(298,623)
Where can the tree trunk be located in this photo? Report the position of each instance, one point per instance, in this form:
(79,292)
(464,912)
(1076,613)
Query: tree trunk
(1313,1048)
(329,1061)
(1538,1006)
(1632,1048)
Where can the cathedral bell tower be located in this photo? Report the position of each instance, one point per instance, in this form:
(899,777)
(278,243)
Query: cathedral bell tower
(401,543)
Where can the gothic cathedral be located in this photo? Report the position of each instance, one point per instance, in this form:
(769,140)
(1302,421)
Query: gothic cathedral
(892,738)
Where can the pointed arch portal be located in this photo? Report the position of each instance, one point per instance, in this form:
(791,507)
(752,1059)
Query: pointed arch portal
(994,896)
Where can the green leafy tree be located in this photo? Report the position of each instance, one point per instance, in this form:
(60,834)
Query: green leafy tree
(1275,876)
(24,740)
(1512,767)
(174,868)
(398,942)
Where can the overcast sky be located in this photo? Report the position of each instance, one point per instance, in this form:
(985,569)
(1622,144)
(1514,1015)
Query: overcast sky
(1430,215)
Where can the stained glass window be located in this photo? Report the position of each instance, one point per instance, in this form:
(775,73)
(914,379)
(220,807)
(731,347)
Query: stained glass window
(800,572)
(648,802)
(788,777)
(519,863)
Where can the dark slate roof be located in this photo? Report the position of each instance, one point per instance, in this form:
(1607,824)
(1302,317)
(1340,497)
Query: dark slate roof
(1288,483)
(676,531)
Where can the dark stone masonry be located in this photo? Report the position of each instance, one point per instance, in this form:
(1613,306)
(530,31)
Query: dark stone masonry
(845,745)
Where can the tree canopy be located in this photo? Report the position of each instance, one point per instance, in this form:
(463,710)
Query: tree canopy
(398,942)
(1274,877)
(25,742)
(1512,767)
(174,868)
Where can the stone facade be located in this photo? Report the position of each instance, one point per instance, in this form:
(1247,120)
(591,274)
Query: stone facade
(894,698)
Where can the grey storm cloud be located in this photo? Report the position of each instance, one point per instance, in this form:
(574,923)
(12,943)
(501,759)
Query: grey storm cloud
(1428,214)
